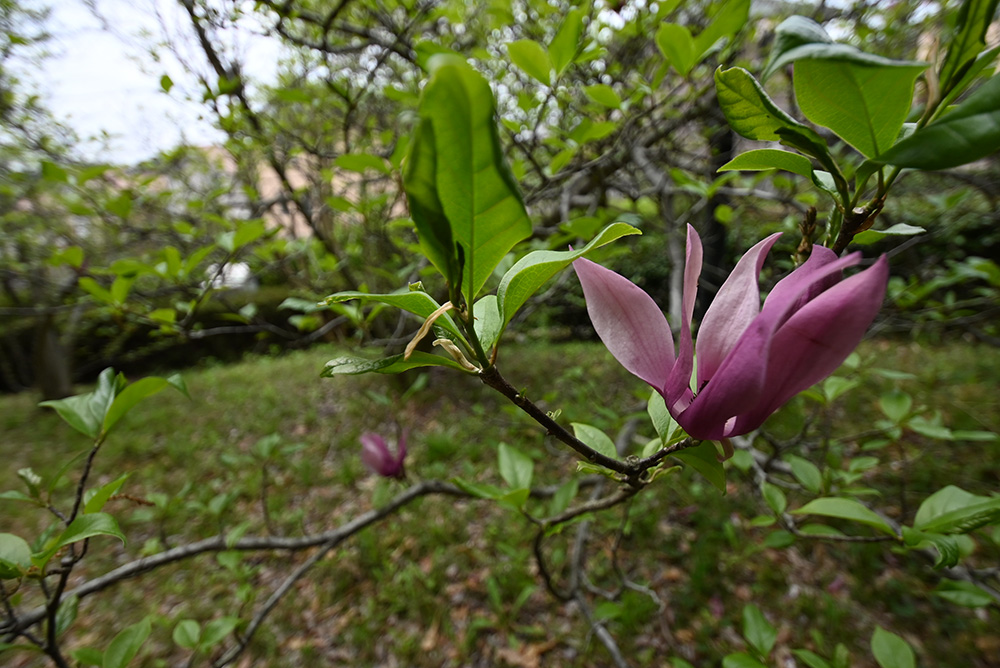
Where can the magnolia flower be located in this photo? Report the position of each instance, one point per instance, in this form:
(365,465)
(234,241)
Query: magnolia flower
(379,459)
(751,360)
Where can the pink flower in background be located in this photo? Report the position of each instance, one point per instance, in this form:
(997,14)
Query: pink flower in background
(751,360)
(377,456)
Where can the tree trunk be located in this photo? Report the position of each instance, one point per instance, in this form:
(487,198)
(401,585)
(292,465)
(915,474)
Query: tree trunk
(51,361)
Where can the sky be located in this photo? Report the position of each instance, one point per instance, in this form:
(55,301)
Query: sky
(99,80)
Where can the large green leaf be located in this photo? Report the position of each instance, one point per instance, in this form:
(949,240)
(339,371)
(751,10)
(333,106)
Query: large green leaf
(848,509)
(769,158)
(953,510)
(420,183)
(352,366)
(967,133)
(799,38)
(416,302)
(863,104)
(974,17)
(793,32)
(532,271)
(748,109)
(473,185)
(946,546)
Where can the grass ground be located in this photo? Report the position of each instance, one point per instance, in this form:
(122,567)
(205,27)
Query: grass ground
(446,583)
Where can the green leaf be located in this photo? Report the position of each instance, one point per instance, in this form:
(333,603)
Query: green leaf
(95,290)
(811,659)
(53,172)
(467,176)
(896,405)
(953,510)
(566,493)
(982,61)
(69,609)
(82,528)
(757,630)
(95,499)
(533,270)
(516,468)
(15,556)
(807,473)
(187,633)
(216,631)
(566,43)
(663,422)
(604,95)
(899,229)
(532,58)
(800,39)
(974,17)
(85,656)
(946,546)
(126,644)
(596,439)
(774,497)
(848,509)
(420,183)
(741,660)
(166,83)
(416,302)
(362,162)
(769,158)
(130,396)
(86,412)
(749,110)
(704,459)
(865,105)
(729,19)
(793,32)
(965,134)
(488,321)
(891,651)
(478,490)
(352,366)
(677,46)
(963,593)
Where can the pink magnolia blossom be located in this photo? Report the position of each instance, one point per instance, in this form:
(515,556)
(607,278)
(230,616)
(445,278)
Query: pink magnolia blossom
(377,456)
(751,360)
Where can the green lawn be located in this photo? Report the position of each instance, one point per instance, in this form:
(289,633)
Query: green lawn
(454,583)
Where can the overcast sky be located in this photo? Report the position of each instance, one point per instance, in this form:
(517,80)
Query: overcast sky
(101,81)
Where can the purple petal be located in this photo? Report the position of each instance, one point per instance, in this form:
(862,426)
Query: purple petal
(628,321)
(375,454)
(677,392)
(738,385)
(818,337)
(808,273)
(733,309)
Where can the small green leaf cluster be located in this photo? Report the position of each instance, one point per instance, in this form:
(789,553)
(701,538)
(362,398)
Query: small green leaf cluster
(865,100)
